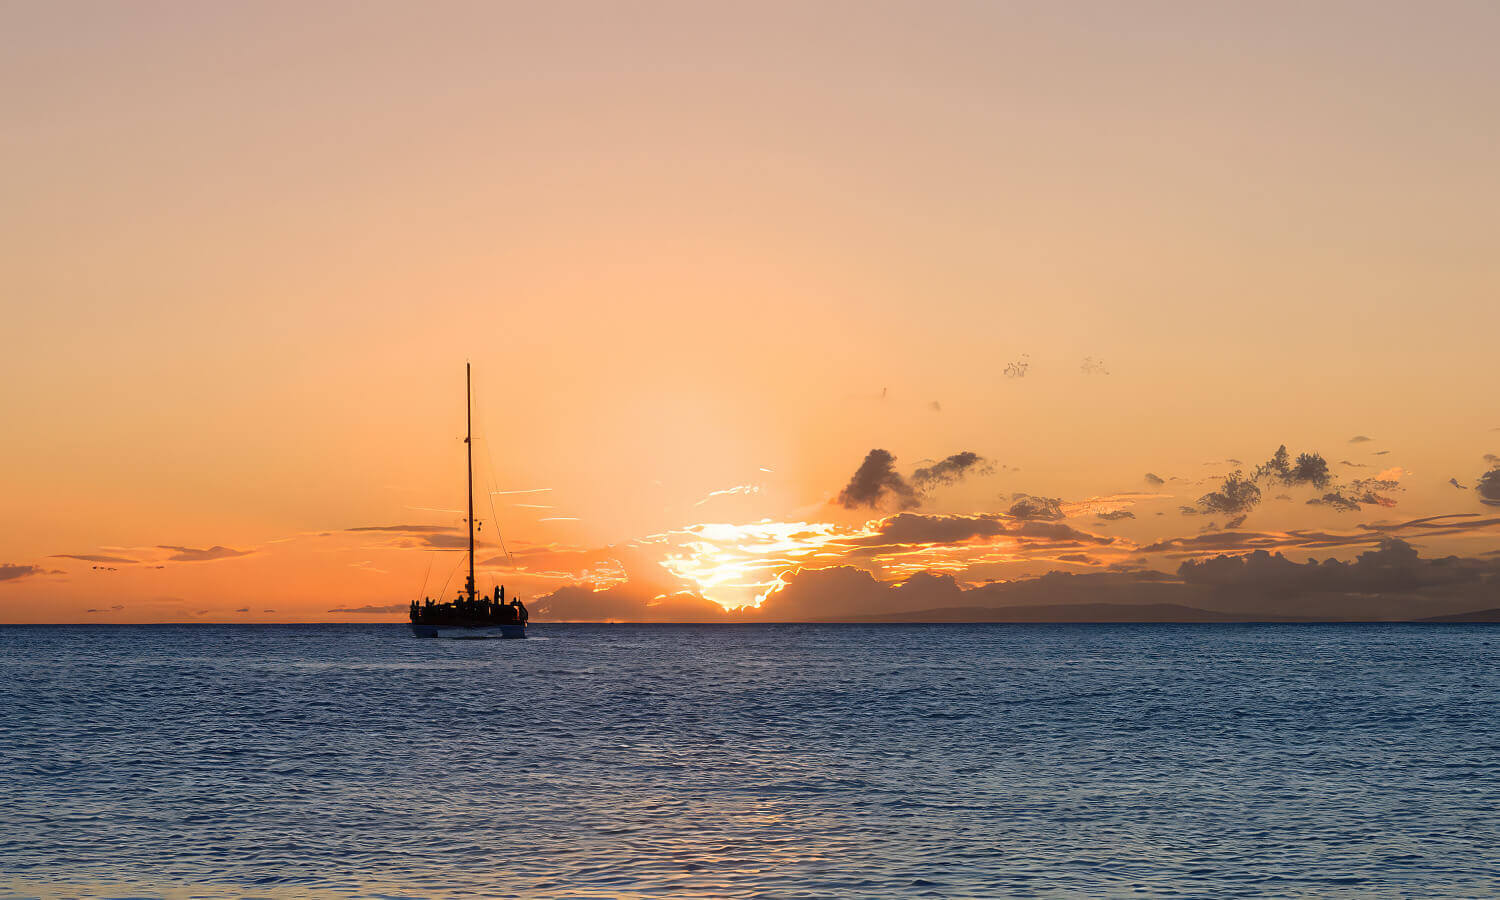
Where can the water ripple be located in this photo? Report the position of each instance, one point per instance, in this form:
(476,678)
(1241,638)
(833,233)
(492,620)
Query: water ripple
(770,761)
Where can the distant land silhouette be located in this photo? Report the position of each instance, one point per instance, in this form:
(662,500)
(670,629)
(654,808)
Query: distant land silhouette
(1478,615)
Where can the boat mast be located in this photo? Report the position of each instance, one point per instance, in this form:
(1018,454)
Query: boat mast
(469,443)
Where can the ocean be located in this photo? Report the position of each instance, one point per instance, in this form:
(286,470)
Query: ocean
(751,761)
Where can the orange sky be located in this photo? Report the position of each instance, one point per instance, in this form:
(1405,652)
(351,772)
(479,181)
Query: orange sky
(245,251)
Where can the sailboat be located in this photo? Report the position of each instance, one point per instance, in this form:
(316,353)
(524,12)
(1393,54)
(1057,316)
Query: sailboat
(470,615)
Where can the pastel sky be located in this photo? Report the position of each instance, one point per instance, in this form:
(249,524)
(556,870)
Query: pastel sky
(704,259)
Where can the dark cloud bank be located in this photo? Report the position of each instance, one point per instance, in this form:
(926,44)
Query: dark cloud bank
(1391,582)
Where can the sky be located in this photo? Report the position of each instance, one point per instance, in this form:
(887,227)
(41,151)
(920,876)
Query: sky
(705,259)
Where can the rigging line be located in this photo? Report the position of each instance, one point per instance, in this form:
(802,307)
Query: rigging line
(449,578)
(489,462)
(422,594)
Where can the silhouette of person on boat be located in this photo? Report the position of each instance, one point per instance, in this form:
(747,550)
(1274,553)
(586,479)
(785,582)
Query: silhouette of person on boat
(468,610)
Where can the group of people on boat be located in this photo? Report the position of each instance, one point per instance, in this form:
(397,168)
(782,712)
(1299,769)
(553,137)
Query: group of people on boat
(480,610)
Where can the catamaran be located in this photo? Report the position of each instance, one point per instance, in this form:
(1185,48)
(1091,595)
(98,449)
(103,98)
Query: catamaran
(470,615)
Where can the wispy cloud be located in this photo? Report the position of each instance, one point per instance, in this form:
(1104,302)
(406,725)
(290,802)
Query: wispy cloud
(16,571)
(950,471)
(737,489)
(95,558)
(193,554)
(408,529)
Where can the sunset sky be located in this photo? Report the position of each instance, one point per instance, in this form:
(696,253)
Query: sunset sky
(704,260)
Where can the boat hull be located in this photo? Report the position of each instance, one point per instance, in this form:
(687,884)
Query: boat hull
(469,632)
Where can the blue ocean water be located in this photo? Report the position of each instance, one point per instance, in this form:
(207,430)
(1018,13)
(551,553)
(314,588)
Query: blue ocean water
(751,761)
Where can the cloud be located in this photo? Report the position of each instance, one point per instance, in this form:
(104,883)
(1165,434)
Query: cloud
(1437,526)
(1155,480)
(1029,508)
(1393,567)
(935,406)
(1063,535)
(951,470)
(921,530)
(841,593)
(1360,439)
(1242,541)
(1451,524)
(1492,459)
(1115,515)
(1454,482)
(1488,487)
(1362,492)
(625,603)
(449,541)
(1081,558)
(1337,501)
(1389,581)
(16,571)
(193,554)
(915,528)
(430,537)
(1308,468)
(1236,496)
(409,529)
(370,610)
(94,558)
(562,564)
(737,489)
(243,609)
(876,483)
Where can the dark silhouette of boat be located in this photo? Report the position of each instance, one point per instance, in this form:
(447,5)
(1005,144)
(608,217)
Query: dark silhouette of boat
(470,615)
